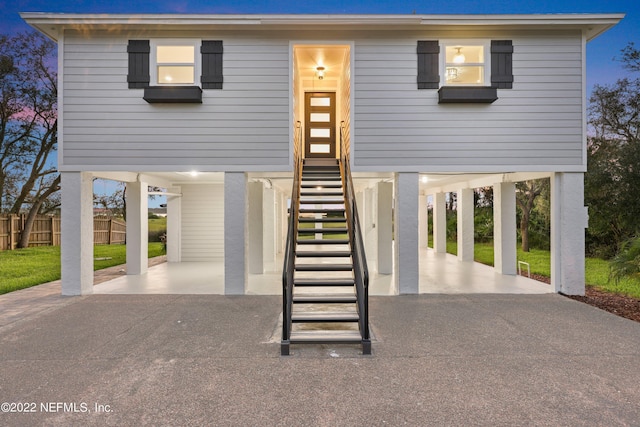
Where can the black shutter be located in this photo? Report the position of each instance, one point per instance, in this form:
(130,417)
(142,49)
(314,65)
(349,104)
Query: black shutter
(501,64)
(211,64)
(428,70)
(138,64)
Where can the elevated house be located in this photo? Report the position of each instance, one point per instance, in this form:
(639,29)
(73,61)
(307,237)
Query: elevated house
(245,119)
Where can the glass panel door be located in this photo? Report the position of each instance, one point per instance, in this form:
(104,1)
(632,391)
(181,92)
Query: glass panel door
(320,124)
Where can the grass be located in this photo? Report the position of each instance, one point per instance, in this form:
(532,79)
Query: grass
(118,254)
(596,270)
(157,224)
(324,225)
(598,276)
(23,268)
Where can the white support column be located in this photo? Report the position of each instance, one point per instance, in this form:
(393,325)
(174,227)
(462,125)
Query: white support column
(256,232)
(235,232)
(465,224)
(77,233)
(423,214)
(137,227)
(439,223)
(362,210)
(280,220)
(174,225)
(504,228)
(269,227)
(369,221)
(569,218)
(385,228)
(407,195)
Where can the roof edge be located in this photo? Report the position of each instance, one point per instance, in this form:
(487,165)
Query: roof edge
(50,23)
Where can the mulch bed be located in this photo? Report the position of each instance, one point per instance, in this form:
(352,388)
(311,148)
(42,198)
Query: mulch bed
(620,305)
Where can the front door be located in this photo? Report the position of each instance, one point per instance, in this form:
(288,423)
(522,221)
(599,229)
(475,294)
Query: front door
(320,124)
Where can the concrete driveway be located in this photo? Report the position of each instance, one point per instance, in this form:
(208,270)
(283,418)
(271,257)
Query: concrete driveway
(213,360)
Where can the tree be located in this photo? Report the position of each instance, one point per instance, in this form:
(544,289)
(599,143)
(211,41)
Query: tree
(527,193)
(613,155)
(28,127)
(116,199)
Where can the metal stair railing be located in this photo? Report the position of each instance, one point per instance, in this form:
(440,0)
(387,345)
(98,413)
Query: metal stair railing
(290,251)
(360,269)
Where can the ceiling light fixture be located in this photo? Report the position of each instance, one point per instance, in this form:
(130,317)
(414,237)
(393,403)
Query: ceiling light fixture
(320,73)
(458,58)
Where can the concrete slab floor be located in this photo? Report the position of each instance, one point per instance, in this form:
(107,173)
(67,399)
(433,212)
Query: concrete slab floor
(439,274)
(207,360)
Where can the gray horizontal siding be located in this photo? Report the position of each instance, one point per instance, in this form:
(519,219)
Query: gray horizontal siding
(536,125)
(202,222)
(244,126)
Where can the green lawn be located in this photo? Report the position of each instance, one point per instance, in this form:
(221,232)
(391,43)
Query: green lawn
(157,224)
(22,268)
(328,236)
(596,270)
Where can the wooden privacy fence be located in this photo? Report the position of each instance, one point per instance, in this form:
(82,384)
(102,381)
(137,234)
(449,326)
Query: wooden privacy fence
(108,231)
(46,231)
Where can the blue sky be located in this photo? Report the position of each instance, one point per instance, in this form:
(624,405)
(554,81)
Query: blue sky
(601,68)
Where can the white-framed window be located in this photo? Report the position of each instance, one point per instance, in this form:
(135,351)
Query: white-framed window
(175,62)
(465,62)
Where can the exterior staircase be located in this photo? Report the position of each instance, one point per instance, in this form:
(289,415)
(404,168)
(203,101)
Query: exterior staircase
(323,303)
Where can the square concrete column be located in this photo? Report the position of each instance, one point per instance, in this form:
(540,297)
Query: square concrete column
(569,218)
(77,233)
(137,227)
(269,227)
(235,232)
(174,225)
(384,226)
(439,223)
(465,224)
(256,231)
(368,208)
(504,228)
(281,213)
(407,229)
(423,214)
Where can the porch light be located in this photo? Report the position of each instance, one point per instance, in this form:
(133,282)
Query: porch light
(320,73)
(193,173)
(459,58)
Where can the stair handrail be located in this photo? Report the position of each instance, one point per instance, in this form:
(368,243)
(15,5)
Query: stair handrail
(360,269)
(292,233)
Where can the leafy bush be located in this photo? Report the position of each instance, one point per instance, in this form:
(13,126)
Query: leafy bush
(154,236)
(483,225)
(626,264)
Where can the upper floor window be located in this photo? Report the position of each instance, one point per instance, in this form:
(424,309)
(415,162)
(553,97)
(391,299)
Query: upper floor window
(465,63)
(175,62)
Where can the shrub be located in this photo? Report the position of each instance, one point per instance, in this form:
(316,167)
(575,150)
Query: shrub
(627,262)
(154,236)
